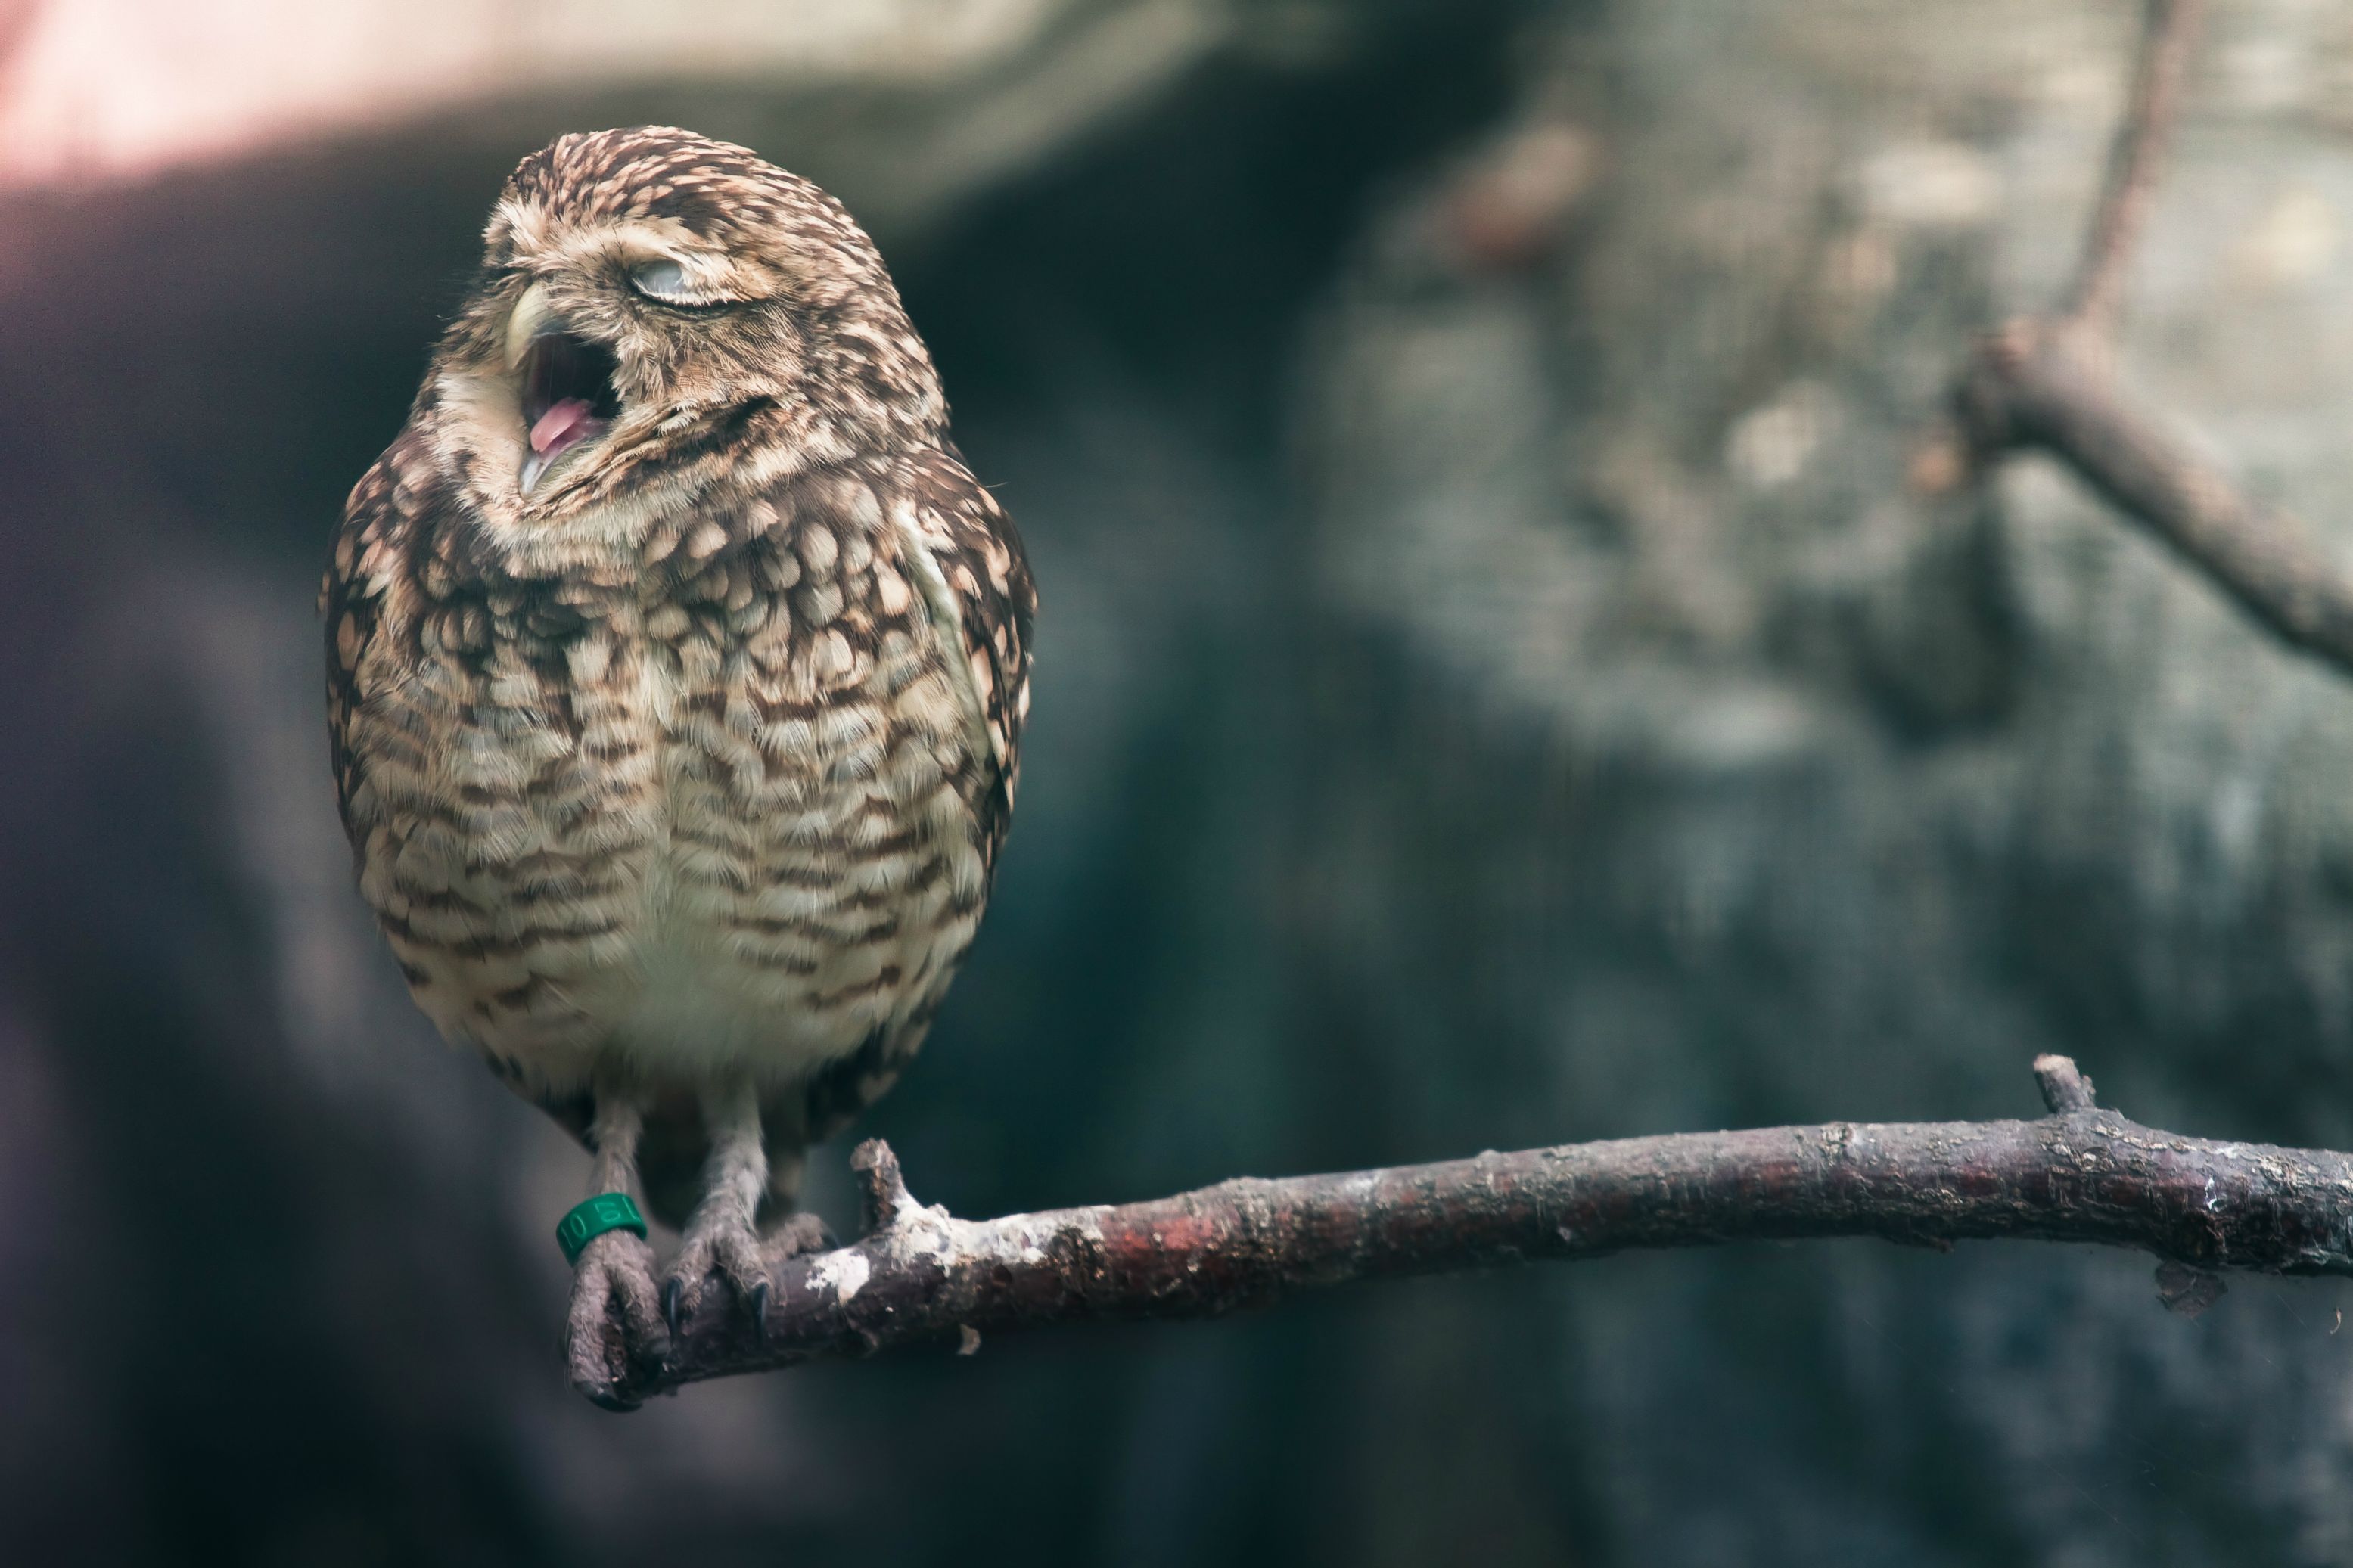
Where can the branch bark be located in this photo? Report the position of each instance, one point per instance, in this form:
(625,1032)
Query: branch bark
(2049,384)
(2081,1174)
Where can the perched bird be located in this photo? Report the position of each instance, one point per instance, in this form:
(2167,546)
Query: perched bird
(677,668)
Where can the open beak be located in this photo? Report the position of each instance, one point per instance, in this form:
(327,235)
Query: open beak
(529,318)
(566,389)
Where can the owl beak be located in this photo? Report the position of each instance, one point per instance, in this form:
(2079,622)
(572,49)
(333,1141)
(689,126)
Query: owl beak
(565,385)
(530,317)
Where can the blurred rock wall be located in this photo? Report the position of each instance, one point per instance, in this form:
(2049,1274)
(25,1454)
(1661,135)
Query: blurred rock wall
(1692,766)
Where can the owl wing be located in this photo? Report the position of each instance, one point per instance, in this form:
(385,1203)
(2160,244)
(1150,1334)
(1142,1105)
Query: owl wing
(977,581)
(368,601)
(983,578)
(387,560)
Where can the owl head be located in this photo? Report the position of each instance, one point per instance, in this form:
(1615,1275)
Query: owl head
(657,309)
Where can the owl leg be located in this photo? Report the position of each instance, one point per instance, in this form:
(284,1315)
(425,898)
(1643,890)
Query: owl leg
(614,1319)
(792,1232)
(721,1235)
(795,1232)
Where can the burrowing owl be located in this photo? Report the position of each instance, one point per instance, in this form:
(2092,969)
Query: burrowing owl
(677,668)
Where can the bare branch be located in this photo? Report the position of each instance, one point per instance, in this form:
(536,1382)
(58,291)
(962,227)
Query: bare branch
(2041,386)
(2085,1176)
(2166,42)
(2050,385)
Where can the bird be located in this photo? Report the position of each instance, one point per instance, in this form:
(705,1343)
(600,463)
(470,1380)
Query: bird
(676,670)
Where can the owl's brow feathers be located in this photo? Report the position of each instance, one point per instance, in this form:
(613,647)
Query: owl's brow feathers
(727,196)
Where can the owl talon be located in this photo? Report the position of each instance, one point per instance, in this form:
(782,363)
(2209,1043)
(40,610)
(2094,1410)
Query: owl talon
(613,1334)
(759,1307)
(673,1290)
(731,1253)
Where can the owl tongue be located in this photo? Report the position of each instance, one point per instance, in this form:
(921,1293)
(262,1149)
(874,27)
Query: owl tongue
(560,427)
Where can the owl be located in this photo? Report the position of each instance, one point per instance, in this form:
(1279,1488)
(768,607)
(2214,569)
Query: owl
(676,670)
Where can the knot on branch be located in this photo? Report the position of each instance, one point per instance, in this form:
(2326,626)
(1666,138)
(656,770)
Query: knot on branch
(882,1191)
(2025,385)
(2065,1090)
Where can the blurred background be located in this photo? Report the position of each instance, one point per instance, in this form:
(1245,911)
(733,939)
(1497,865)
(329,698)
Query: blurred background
(1498,683)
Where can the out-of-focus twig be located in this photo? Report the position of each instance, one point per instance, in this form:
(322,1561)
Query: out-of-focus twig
(2049,384)
(2080,1174)
(2134,159)
(2044,385)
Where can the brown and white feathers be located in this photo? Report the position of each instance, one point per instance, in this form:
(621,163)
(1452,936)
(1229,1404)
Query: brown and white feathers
(677,664)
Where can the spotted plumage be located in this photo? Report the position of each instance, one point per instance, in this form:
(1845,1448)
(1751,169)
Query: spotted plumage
(677,673)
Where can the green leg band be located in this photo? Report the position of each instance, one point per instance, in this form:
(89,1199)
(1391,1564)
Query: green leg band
(587,1221)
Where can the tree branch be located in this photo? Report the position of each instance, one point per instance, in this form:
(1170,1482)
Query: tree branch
(2153,106)
(2049,384)
(2044,385)
(2081,1174)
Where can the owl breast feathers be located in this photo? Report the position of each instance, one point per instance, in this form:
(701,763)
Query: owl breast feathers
(677,664)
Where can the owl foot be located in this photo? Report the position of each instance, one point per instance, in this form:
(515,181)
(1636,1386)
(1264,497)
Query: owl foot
(798,1234)
(614,1329)
(729,1249)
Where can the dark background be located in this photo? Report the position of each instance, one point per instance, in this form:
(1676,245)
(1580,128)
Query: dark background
(1496,686)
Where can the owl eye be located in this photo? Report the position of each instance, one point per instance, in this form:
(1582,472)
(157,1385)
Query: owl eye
(667,281)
